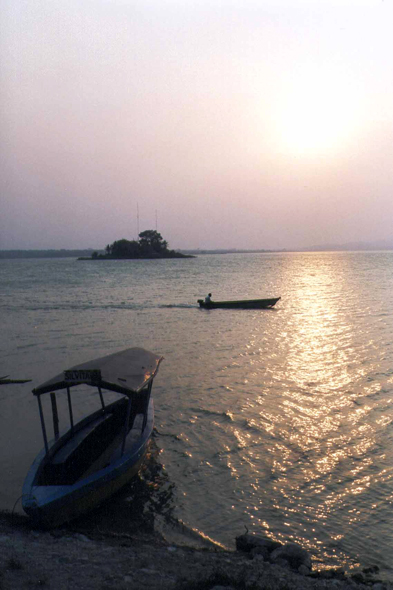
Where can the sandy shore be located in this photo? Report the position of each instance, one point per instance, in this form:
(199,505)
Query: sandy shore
(68,559)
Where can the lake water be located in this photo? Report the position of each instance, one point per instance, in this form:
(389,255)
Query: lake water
(278,420)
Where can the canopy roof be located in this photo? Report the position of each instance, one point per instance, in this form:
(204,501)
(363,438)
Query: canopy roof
(128,371)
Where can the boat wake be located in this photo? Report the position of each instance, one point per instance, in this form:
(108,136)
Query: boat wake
(90,306)
(177,306)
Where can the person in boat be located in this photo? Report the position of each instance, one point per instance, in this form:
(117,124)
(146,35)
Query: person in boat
(208,298)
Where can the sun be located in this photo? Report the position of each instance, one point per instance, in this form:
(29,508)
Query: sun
(315,117)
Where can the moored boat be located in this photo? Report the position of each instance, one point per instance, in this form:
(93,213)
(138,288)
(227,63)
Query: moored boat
(240,304)
(94,458)
(6,381)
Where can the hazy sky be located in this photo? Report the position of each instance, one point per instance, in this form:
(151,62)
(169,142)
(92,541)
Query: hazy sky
(229,123)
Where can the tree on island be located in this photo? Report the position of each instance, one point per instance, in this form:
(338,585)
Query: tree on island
(123,249)
(151,241)
(150,245)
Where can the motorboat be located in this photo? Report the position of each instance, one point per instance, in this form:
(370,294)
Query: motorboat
(96,456)
(239,304)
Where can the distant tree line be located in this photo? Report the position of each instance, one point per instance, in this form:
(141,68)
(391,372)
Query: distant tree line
(150,245)
(46,253)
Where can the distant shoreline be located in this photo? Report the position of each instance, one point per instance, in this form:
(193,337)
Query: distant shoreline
(13,254)
(151,257)
(191,253)
(78,254)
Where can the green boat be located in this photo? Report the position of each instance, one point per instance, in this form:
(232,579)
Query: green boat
(242,304)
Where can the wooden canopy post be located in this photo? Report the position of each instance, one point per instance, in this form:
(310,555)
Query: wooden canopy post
(55,415)
(42,423)
(101,398)
(70,409)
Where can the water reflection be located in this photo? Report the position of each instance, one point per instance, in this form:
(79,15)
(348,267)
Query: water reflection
(278,420)
(319,428)
(321,335)
(135,509)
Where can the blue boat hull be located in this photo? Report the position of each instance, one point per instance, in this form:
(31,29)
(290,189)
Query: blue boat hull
(52,505)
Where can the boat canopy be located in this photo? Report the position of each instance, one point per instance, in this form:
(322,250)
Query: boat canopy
(127,372)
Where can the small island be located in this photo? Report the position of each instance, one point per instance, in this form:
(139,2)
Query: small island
(150,245)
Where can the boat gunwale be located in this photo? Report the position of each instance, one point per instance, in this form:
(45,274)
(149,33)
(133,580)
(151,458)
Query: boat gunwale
(36,507)
(43,457)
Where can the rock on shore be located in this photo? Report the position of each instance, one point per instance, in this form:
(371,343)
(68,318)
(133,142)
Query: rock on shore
(68,560)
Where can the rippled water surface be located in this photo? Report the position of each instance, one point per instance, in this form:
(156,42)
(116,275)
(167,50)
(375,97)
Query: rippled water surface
(279,420)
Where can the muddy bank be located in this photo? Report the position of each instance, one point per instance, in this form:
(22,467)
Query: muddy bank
(76,558)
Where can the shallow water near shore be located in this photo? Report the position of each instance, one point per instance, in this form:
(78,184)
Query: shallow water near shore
(278,420)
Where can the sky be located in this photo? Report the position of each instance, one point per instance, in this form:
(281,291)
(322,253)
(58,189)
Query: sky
(250,124)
